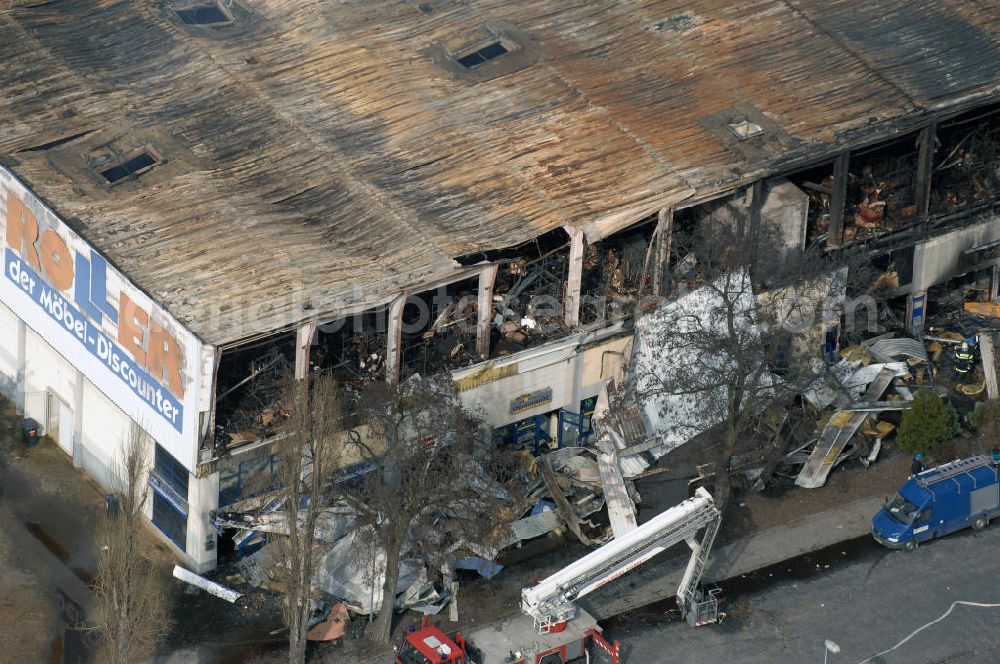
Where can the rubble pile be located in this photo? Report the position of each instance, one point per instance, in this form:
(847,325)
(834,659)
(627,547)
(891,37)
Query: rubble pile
(562,489)
(847,411)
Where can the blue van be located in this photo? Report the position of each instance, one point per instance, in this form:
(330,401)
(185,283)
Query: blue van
(940,501)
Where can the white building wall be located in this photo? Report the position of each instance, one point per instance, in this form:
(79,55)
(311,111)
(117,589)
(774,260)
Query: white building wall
(49,390)
(104,428)
(96,353)
(8,352)
(573,369)
(494,399)
(938,259)
(45,369)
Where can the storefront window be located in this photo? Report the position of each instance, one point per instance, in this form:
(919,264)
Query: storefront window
(169,481)
(171,471)
(171,521)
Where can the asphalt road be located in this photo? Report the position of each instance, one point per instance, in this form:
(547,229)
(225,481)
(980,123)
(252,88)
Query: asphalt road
(862,597)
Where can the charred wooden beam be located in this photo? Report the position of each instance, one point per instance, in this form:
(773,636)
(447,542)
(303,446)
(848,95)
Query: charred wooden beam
(821,188)
(664,238)
(838,201)
(927,142)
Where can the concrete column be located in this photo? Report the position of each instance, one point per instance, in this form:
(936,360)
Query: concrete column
(664,239)
(574,279)
(576,367)
(925,168)
(303,341)
(838,200)
(485,310)
(203,497)
(210,431)
(394,351)
(78,420)
(753,200)
(20,388)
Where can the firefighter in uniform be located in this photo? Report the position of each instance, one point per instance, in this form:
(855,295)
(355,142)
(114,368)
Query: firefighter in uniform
(963,360)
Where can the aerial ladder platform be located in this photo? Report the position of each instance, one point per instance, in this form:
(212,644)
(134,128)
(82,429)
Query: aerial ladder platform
(551,603)
(552,630)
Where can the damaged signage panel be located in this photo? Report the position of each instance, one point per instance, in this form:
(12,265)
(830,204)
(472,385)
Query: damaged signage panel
(130,348)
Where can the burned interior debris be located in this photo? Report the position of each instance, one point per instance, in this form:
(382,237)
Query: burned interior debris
(881,189)
(439,329)
(966,176)
(253,395)
(352,349)
(528,293)
(615,270)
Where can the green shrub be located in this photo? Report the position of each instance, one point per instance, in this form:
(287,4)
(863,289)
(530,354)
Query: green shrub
(927,424)
(985,413)
(986,418)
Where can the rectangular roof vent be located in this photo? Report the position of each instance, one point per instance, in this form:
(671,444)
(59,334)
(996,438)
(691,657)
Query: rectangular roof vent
(745,129)
(484,54)
(131,167)
(206,14)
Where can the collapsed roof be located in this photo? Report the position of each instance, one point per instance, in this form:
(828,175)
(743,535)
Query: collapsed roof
(317,157)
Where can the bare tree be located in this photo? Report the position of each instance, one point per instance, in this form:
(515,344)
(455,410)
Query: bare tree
(717,354)
(132,611)
(437,480)
(306,459)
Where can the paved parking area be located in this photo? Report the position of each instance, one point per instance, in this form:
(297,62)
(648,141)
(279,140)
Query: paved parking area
(866,603)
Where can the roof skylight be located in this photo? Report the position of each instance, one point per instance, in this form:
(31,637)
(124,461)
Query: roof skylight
(135,165)
(206,14)
(482,55)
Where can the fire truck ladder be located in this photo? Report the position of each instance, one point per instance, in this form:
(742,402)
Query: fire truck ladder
(697,606)
(550,603)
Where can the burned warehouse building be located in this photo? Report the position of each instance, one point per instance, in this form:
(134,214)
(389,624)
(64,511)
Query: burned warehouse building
(202,201)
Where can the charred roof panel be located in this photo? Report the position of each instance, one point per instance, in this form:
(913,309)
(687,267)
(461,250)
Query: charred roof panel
(932,50)
(325,151)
